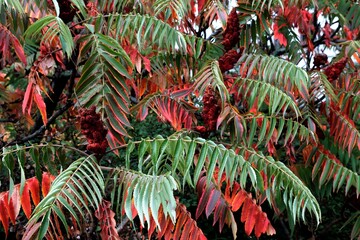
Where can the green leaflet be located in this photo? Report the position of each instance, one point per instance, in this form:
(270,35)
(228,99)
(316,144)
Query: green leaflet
(147,192)
(275,71)
(278,99)
(210,75)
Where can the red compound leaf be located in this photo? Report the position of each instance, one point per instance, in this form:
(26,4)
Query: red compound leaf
(107,221)
(10,208)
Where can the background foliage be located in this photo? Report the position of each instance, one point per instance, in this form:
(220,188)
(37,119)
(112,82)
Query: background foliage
(161,119)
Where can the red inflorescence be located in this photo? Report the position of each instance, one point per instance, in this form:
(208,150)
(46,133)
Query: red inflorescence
(320,59)
(211,109)
(227,61)
(93,129)
(231,33)
(333,71)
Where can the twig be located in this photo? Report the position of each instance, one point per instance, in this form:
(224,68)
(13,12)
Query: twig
(316,24)
(7,120)
(122,224)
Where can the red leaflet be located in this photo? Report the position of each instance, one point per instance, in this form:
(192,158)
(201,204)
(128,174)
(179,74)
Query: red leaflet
(223,206)
(187,230)
(327,32)
(246,208)
(202,202)
(201,4)
(278,35)
(348,33)
(180,221)
(4,217)
(19,50)
(30,230)
(11,209)
(251,218)
(176,113)
(213,199)
(185,227)
(261,225)
(28,97)
(25,201)
(223,211)
(147,64)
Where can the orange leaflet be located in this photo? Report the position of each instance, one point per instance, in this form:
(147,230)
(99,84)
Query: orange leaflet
(33,185)
(46,182)
(238,200)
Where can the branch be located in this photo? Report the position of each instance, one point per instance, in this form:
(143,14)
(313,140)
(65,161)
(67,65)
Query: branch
(43,127)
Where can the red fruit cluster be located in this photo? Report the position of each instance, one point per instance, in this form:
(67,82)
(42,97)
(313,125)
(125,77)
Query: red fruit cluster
(232,31)
(320,59)
(227,61)
(333,71)
(93,129)
(67,12)
(211,109)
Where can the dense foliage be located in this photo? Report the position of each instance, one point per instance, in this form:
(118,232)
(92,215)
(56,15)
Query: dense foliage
(124,119)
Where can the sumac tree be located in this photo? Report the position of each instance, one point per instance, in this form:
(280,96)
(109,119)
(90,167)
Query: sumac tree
(262,98)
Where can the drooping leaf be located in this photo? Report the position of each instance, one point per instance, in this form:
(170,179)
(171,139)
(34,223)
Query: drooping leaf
(53,26)
(179,8)
(212,200)
(181,151)
(107,221)
(82,175)
(343,129)
(148,30)
(105,72)
(277,100)
(327,168)
(184,228)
